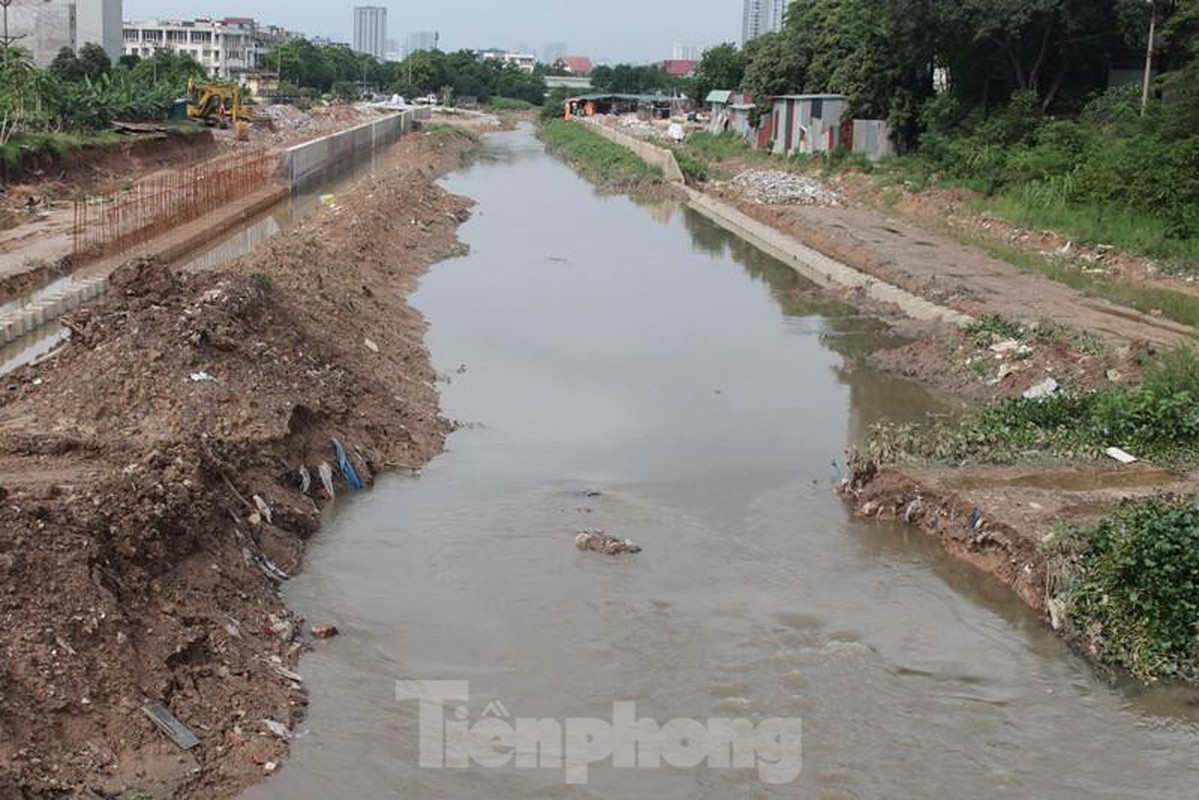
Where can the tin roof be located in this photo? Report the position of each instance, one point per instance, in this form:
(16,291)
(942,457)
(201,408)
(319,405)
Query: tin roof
(718,96)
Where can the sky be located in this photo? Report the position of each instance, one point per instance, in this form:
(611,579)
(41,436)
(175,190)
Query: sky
(635,31)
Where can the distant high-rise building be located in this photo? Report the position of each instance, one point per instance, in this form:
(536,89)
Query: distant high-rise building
(761,17)
(418,41)
(370,30)
(687,52)
(45,27)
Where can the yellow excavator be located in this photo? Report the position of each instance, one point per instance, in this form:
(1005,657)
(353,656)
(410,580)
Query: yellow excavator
(215,104)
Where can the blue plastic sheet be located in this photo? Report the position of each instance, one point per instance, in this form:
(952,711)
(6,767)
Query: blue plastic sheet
(347,469)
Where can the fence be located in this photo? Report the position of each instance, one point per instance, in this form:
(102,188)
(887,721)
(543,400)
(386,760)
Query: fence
(113,225)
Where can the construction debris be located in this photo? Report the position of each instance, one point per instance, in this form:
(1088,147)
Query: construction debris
(778,187)
(600,542)
(172,727)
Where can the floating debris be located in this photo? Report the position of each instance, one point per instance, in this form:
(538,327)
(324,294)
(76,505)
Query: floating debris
(601,542)
(325,631)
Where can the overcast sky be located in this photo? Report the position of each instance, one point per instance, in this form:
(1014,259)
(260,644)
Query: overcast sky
(616,30)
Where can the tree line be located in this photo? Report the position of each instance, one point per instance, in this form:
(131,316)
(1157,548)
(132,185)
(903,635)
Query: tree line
(307,68)
(1014,98)
(85,91)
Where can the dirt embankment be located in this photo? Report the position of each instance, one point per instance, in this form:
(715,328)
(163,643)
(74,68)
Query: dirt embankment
(152,492)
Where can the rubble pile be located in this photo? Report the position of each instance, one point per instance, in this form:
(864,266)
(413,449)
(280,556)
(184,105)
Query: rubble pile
(777,187)
(162,471)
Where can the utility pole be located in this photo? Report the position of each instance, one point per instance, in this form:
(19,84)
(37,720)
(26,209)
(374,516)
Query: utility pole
(1149,56)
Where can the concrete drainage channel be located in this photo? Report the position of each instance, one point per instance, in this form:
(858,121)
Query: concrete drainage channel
(26,331)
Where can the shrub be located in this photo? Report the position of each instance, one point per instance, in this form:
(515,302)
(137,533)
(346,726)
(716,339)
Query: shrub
(1134,592)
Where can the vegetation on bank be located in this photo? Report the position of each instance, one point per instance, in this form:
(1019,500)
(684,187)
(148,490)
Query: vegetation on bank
(1129,587)
(1157,420)
(596,158)
(1011,99)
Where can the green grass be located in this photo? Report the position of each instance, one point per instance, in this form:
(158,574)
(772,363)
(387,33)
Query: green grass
(509,104)
(1157,421)
(1096,224)
(1175,306)
(597,159)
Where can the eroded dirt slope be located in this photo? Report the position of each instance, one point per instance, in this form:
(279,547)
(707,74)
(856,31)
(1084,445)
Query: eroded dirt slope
(139,507)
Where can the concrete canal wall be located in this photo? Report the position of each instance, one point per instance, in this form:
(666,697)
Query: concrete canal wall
(303,161)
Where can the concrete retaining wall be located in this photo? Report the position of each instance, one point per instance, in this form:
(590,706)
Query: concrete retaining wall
(654,156)
(816,266)
(46,309)
(312,158)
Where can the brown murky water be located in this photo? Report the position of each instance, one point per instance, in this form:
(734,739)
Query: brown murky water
(643,373)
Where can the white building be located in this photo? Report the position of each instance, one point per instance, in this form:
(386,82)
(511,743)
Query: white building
(762,17)
(686,52)
(228,48)
(420,41)
(525,62)
(47,26)
(370,30)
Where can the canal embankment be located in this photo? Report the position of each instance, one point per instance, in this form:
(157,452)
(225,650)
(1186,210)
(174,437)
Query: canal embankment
(165,466)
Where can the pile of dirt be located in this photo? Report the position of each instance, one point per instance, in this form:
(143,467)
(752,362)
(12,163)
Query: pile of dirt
(957,364)
(163,471)
(94,169)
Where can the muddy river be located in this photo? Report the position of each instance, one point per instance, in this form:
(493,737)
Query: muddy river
(637,370)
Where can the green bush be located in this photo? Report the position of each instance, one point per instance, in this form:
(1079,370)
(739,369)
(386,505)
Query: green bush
(1134,592)
(594,156)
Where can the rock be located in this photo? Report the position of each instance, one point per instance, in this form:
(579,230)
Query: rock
(777,187)
(1046,388)
(370,345)
(600,542)
(325,631)
(277,728)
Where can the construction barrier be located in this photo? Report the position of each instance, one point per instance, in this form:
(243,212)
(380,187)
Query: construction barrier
(113,224)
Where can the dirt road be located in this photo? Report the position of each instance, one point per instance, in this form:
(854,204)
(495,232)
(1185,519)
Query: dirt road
(152,491)
(938,268)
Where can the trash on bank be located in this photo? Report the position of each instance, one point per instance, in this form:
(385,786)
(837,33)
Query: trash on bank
(305,479)
(202,377)
(347,469)
(168,724)
(1120,455)
(601,542)
(326,473)
(1046,388)
(264,508)
(325,631)
(277,728)
(369,344)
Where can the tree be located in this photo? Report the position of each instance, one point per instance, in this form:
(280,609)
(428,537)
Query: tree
(66,66)
(722,67)
(774,66)
(93,60)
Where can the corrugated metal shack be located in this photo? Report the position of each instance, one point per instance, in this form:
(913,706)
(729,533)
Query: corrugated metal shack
(807,123)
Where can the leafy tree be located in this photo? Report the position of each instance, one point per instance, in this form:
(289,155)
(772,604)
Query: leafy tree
(66,65)
(774,66)
(722,67)
(93,60)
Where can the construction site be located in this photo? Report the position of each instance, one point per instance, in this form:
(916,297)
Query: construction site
(340,446)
